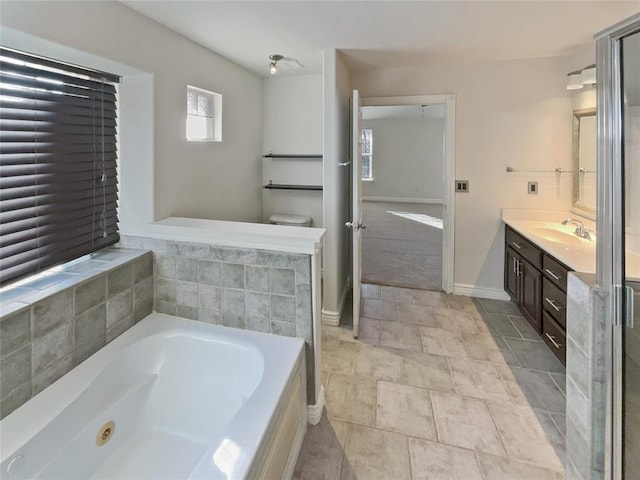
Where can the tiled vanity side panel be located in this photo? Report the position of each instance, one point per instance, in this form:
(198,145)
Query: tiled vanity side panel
(586,378)
(44,339)
(250,289)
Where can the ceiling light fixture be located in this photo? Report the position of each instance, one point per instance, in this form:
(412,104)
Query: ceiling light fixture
(580,78)
(588,75)
(273,66)
(574,80)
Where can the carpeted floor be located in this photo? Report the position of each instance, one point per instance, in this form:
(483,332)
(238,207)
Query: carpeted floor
(399,251)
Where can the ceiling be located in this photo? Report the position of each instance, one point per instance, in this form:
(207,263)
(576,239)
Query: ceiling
(386,34)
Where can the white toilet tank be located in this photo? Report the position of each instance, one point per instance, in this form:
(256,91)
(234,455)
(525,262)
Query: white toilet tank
(290,220)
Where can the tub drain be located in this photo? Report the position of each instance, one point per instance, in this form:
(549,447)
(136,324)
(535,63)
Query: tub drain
(105,433)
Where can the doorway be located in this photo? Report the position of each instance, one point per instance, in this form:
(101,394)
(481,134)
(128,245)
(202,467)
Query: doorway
(407,199)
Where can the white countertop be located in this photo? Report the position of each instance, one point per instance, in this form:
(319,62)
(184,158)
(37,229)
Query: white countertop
(580,255)
(239,234)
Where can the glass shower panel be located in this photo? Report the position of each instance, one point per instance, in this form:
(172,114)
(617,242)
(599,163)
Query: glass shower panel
(631,333)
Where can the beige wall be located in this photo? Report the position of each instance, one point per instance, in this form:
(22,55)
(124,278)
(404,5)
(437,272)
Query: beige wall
(408,158)
(514,113)
(336,195)
(292,124)
(197,179)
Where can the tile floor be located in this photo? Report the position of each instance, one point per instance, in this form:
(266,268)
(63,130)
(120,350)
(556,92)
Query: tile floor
(437,387)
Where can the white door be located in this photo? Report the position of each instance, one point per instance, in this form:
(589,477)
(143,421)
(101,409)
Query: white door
(356,224)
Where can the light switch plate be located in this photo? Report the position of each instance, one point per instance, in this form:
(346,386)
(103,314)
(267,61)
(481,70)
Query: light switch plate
(532,188)
(462,186)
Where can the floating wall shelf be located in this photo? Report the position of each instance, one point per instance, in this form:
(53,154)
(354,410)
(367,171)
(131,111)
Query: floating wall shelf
(286,186)
(293,156)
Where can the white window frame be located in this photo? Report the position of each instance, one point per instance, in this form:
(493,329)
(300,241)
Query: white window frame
(370,178)
(201,127)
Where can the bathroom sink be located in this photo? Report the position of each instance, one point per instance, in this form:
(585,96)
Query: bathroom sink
(558,236)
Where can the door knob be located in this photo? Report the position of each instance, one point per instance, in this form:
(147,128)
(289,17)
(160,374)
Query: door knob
(355,226)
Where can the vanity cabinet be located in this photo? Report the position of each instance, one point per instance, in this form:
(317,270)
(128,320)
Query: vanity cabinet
(537,282)
(522,276)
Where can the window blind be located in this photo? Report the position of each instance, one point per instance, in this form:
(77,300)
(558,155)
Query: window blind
(58,171)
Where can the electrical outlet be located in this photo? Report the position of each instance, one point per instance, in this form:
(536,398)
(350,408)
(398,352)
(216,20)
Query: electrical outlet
(462,186)
(532,188)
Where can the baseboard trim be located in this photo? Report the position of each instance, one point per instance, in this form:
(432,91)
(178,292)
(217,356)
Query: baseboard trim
(480,292)
(314,412)
(403,200)
(332,318)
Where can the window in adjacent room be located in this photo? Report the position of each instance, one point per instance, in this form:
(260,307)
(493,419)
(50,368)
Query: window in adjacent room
(58,163)
(367,151)
(204,115)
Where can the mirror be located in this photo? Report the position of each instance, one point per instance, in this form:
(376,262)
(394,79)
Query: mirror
(584,162)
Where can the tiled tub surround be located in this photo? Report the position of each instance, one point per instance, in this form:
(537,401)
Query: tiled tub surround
(245,420)
(252,289)
(586,378)
(50,325)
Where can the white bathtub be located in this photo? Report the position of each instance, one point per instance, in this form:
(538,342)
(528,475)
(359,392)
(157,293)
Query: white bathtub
(188,400)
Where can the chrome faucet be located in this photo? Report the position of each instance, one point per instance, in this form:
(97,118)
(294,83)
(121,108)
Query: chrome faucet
(580,231)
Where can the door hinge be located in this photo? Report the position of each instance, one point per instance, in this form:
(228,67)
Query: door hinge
(629,293)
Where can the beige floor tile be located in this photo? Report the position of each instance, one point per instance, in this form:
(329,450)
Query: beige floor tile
(432,298)
(501,468)
(346,334)
(400,335)
(322,451)
(373,454)
(369,331)
(487,348)
(330,331)
(416,314)
(406,410)
(379,310)
(523,435)
(465,422)
(397,294)
(369,290)
(338,355)
(439,341)
(454,320)
(426,370)
(351,399)
(477,379)
(378,364)
(434,461)
(459,302)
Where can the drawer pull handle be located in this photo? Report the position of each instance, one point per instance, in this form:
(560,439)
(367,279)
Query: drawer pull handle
(552,303)
(518,246)
(556,277)
(552,339)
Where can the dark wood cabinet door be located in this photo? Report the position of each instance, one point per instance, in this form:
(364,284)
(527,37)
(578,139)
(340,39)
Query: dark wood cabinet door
(530,293)
(511,274)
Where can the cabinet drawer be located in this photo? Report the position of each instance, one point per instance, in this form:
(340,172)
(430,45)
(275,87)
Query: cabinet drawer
(554,301)
(554,337)
(524,248)
(555,271)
